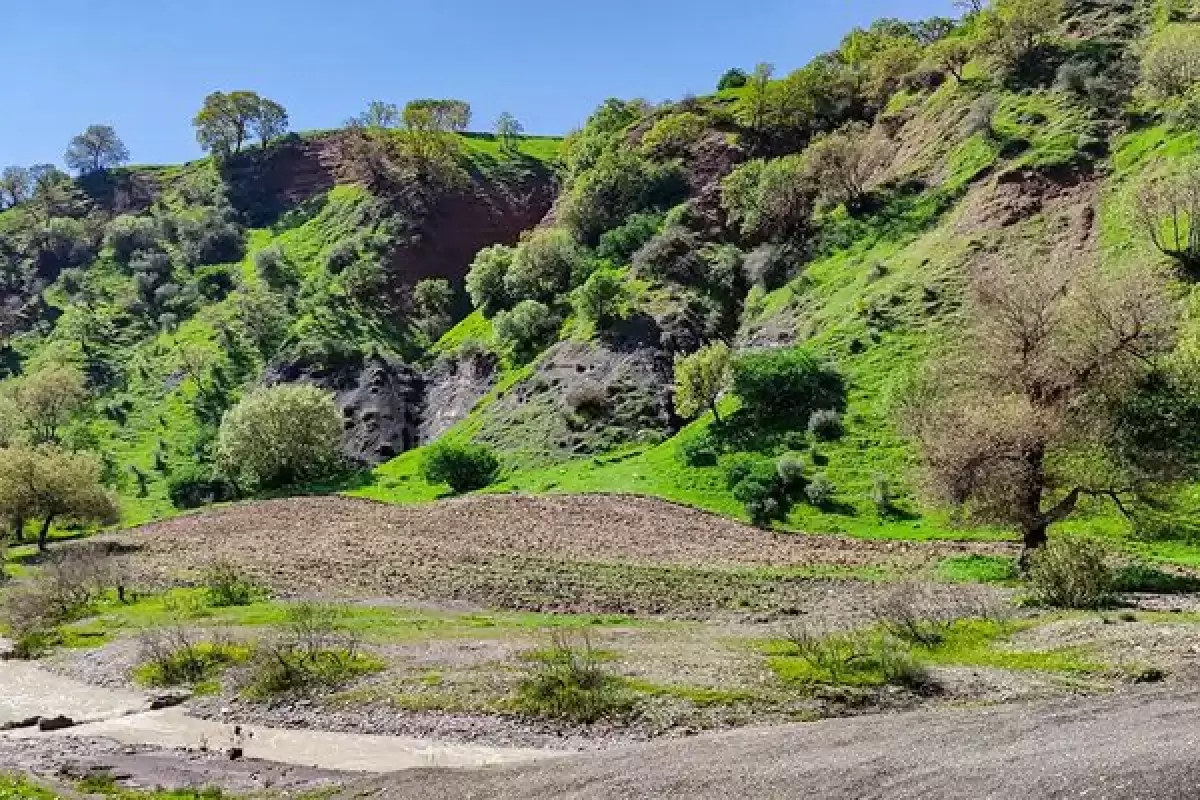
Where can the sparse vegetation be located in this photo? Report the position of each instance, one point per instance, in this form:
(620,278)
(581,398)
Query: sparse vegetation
(568,681)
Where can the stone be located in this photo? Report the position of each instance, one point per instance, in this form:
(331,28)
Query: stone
(55,723)
(13,725)
(169,698)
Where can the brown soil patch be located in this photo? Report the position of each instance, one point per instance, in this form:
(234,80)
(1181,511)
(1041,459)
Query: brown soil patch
(587,553)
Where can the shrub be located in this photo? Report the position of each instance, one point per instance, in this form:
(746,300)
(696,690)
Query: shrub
(568,682)
(343,253)
(619,244)
(672,255)
(127,234)
(733,79)
(526,329)
(820,490)
(759,487)
(910,612)
(194,486)
(544,266)
(1071,573)
(790,467)
(772,265)
(273,267)
(826,425)
(486,280)
(881,494)
(316,651)
(856,658)
(227,585)
(601,298)
(673,135)
(1171,63)
(465,467)
(784,384)
(172,657)
(209,238)
(700,378)
(281,436)
(698,451)
(770,200)
(618,184)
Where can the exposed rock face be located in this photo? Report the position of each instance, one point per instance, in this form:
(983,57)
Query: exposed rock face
(452,388)
(380,400)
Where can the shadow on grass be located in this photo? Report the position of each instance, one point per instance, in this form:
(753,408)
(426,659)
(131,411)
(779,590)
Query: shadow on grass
(1143,578)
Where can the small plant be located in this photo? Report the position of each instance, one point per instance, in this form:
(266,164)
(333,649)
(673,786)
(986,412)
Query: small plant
(315,651)
(172,657)
(790,468)
(568,682)
(910,613)
(820,490)
(881,494)
(831,655)
(226,584)
(699,451)
(1071,572)
(465,467)
(826,425)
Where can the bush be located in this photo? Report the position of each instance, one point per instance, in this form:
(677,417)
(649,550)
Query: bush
(1071,573)
(698,451)
(618,184)
(619,244)
(910,612)
(785,384)
(568,682)
(881,494)
(173,658)
(856,659)
(762,491)
(672,255)
(194,486)
(601,298)
(1171,63)
(281,436)
(526,329)
(733,79)
(673,135)
(486,279)
(770,200)
(273,267)
(826,425)
(341,255)
(790,467)
(316,651)
(210,238)
(227,585)
(465,467)
(544,266)
(820,490)
(772,265)
(128,234)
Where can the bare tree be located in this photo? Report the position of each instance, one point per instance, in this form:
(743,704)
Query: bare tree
(1168,210)
(844,163)
(1021,420)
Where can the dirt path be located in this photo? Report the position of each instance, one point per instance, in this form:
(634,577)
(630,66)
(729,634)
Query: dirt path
(560,553)
(1140,746)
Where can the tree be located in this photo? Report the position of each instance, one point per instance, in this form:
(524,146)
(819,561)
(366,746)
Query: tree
(429,140)
(97,148)
(1168,210)
(601,298)
(227,121)
(15,186)
(843,163)
(508,131)
(951,55)
(1022,418)
(734,78)
(544,266)
(49,484)
(755,106)
(379,115)
(1014,29)
(1171,61)
(770,200)
(433,300)
(486,279)
(700,378)
(47,400)
(281,436)
(526,328)
(465,467)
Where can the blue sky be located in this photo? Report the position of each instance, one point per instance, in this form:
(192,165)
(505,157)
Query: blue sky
(144,66)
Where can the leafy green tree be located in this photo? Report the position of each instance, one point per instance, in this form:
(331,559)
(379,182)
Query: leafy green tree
(734,78)
(754,108)
(281,436)
(48,484)
(785,384)
(770,200)
(602,297)
(700,378)
(428,136)
(1171,61)
(1013,29)
(263,317)
(673,135)
(951,55)
(44,402)
(465,467)
(508,131)
(226,122)
(619,183)
(843,163)
(379,115)
(433,301)
(544,266)
(16,185)
(526,329)
(97,148)
(486,279)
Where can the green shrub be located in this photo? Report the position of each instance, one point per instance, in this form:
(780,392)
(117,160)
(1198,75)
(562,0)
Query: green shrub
(618,184)
(1171,61)
(341,255)
(619,244)
(128,234)
(281,436)
(790,467)
(739,466)
(672,255)
(733,79)
(785,384)
(316,651)
(195,485)
(465,467)
(568,682)
(173,658)
(763,495)
(486,280)
(1070,572)
(826,425)
(673,135)
(820,490)
(526,329)
(227,585)
(698,451)
(601,299)
(544,266)
(770,200)
(273,267)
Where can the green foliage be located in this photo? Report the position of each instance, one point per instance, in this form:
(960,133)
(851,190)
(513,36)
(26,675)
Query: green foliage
(820,490)
(674,255)
(526,329)
(464,467)
(128,234)
(317,651)
(486,282)
(172,658)
(700,378)
(673,135)
(785,384)
(226,122)
(1071,572)
(544,266)
(620,183)
(1171,61)
(227,585)
(195,485)
(569,682)
(273,267)
(602,297)
(619,244)
(281,436)
(732,78)
(698,451)
(770,200)
(826,425)
(96,149)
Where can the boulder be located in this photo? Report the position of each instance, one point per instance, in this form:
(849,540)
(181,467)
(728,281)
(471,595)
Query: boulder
(58,723)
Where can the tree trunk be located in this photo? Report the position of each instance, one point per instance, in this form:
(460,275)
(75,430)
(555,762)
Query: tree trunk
(716,414)
(44,533)
(1033,536)
(18,529)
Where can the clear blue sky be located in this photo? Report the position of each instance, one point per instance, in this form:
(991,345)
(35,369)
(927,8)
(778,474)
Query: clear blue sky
(144,66)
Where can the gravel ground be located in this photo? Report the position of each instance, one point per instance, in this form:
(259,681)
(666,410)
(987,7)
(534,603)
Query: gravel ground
(565,553)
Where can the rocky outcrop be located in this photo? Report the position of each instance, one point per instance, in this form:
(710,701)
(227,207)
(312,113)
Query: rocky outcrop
(453,386)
